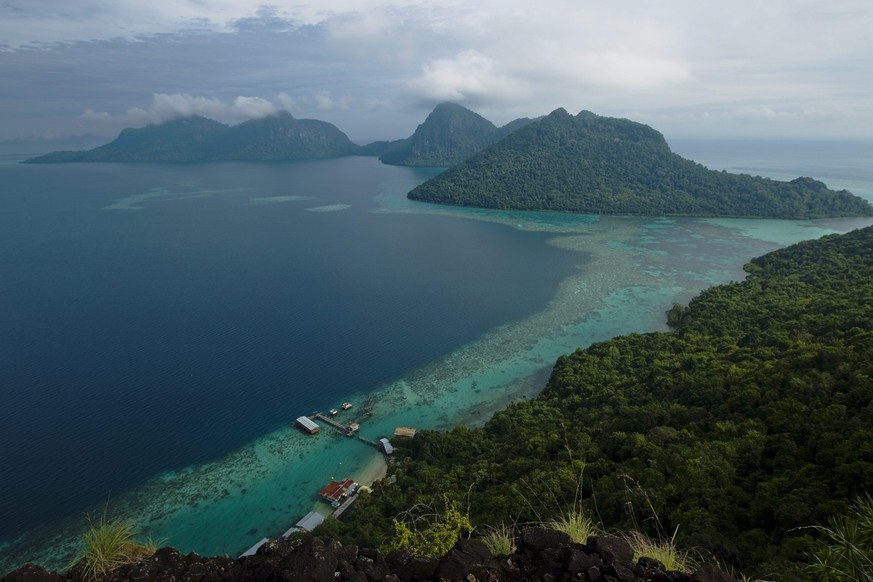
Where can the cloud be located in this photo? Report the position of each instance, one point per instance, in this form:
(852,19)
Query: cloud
(377,67)
(325,102)
(287,103)
(165,107)
(471,77)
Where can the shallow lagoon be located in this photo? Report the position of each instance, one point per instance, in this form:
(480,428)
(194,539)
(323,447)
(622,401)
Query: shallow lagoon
(627,272)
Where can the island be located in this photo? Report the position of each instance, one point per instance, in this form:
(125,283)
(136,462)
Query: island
(600,165)
(278,137)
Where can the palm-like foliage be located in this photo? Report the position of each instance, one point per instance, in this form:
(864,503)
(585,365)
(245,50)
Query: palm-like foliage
(848,556)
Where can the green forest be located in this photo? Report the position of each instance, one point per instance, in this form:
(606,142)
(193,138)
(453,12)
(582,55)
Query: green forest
(600,165)
(738,431)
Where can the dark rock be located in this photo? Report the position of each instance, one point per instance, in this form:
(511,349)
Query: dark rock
(544,555)
(346,570)
(467,557)
(594,574)
(417,569)
(553,561)
(537,539)
(652,570)
(311,561)
(648,566)
(347,553)
(579,561)
(612,550)
(31,573)
(709,572)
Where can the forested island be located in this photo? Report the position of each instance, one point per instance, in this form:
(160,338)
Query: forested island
(600,165)
(736,433)
(278,137)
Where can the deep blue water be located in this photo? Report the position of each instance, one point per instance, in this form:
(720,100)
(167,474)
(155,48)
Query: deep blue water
(140,340)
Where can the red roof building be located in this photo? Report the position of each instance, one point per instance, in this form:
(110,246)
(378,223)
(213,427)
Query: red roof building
(336,491)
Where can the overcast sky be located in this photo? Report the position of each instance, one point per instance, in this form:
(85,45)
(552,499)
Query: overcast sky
(375,68)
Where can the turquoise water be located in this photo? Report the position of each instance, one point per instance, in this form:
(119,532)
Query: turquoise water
(610,276)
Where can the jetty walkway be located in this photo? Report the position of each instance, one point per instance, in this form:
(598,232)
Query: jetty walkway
(348,430)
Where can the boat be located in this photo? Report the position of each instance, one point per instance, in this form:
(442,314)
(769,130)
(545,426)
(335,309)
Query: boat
(333,411)
(346,405)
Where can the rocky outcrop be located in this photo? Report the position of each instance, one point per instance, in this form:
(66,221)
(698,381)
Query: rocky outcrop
(542,554)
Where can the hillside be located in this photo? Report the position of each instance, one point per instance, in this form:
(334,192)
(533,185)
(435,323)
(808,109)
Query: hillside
(449,135)
(198,139)
(749,423)
(600,165)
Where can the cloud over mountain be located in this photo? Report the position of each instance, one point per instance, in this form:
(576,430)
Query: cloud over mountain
(376,68)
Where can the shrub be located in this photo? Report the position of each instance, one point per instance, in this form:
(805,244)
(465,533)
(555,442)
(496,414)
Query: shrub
(429,533)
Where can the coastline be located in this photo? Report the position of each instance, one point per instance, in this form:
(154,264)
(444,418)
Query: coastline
(375,470)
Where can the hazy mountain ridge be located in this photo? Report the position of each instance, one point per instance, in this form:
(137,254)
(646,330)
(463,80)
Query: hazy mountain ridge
(198,139)
(600,165)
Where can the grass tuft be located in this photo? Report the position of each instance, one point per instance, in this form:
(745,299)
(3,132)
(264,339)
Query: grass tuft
(108,544)
(500,540)
(663,550)
(575,524)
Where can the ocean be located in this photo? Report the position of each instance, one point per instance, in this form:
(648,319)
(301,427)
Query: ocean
(163,325)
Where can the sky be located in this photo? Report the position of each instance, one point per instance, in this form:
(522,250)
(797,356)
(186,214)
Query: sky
(770,69)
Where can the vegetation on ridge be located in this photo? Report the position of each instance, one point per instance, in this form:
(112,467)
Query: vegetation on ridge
(749,423)
(600,165)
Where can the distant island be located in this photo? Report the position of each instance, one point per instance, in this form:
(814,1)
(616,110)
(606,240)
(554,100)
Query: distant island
(450,134)
(584,163)
(279,137)
(601,165)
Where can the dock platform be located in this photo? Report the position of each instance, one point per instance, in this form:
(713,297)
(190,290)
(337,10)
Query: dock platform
(345,429)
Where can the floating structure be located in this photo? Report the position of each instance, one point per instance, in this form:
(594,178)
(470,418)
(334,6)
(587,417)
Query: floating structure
(336,492)
(306,424)
(404,431)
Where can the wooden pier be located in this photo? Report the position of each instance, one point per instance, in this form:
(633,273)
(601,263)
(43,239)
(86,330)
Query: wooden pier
(346,430)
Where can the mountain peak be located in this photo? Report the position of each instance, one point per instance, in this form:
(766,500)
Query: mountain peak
(451,133)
